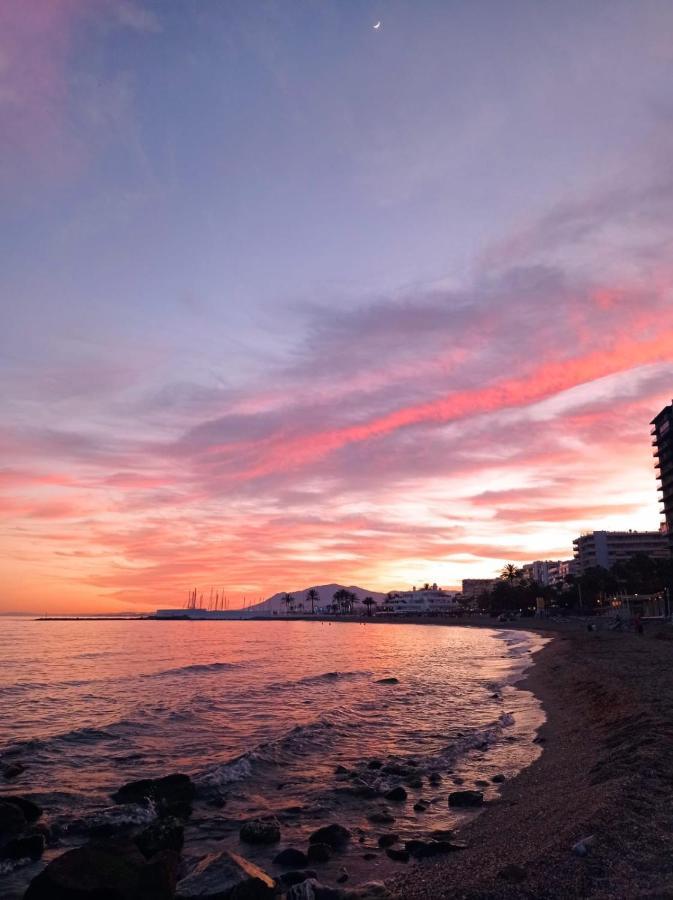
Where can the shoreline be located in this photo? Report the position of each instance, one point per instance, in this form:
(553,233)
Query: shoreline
(605,773)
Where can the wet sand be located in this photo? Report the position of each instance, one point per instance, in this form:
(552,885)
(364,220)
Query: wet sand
(606,771)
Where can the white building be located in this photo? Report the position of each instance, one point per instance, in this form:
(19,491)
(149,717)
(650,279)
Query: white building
(426,601)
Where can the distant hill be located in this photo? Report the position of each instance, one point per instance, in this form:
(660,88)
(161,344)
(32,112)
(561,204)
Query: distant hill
(325,592)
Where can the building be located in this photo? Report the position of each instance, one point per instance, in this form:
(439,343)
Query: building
(548,572)
(662,433)
(605,548)
(473,588)
(426,601)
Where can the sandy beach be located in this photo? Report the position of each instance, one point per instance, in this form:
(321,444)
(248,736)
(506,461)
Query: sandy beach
(605,774)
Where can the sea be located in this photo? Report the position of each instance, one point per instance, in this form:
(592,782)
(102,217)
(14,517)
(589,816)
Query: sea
(264,716)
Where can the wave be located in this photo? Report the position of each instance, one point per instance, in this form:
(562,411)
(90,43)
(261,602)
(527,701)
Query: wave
(194,669)
(85,736)
(323,678)
(330,677)
(316,736)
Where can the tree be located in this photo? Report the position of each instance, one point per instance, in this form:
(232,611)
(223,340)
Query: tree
(369,602)
(288,600)
(313,596)
(510,573)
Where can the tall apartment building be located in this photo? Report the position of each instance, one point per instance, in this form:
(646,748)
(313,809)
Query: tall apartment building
(548,571)
(605,548)
(662,433)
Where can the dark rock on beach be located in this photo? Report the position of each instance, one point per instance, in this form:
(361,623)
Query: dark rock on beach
(397,794)
(388,681)
(381,817)
(12,819)
(105,873)
(296,876)
(28,807)
(397,855)
(333,835)
(424,849)
(498,779)
(464,799)
(260,831)
(313,890)
(164,834)
(225,875)
(31,847)
(319,853)
(290,857)
(387,840)
(172,789)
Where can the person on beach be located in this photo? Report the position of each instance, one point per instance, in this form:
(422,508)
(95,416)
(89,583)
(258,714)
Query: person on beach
(638,625)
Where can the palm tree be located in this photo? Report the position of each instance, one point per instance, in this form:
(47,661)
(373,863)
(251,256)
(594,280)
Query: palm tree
(510,573)
(313,596)
(288,600)
(369,602)
(338,598)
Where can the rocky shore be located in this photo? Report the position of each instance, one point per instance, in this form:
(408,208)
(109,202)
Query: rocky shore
(592,816)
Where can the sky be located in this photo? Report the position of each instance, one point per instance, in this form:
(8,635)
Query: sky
(286,299)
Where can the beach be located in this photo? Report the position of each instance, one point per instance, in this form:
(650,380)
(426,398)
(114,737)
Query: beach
(605,774)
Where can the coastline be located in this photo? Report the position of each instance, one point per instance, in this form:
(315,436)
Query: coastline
(605,772)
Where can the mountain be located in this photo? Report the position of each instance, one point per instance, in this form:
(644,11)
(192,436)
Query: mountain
(325,591)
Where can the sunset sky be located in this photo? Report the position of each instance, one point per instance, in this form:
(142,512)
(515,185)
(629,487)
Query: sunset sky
(285,299)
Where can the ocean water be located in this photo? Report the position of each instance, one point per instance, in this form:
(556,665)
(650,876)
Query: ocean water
(260,714)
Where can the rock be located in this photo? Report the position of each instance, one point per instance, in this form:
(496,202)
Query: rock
(435,778)
(481,783)
(361,789)
(164,834)
(342,877)
(369,856)
(28,807)
(290,857)
(381,817)
(296,876)
(226,876)
(313,890)
(31,847)
(117,872)
(170,789)
(415,782)
(393,768)
(498,779)
(424,849)
(442,834)
(374,764)
(421,806)
(387,840)
(397,855)
(333,835)
(341,770)
(458,780)
(581,848)
(12,820)
(387,681)
(11,770)
(466,798)
(318,852)
(398,794)
(513,874)
(260,831)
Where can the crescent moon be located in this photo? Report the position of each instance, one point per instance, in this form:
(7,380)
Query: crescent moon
(377,26)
